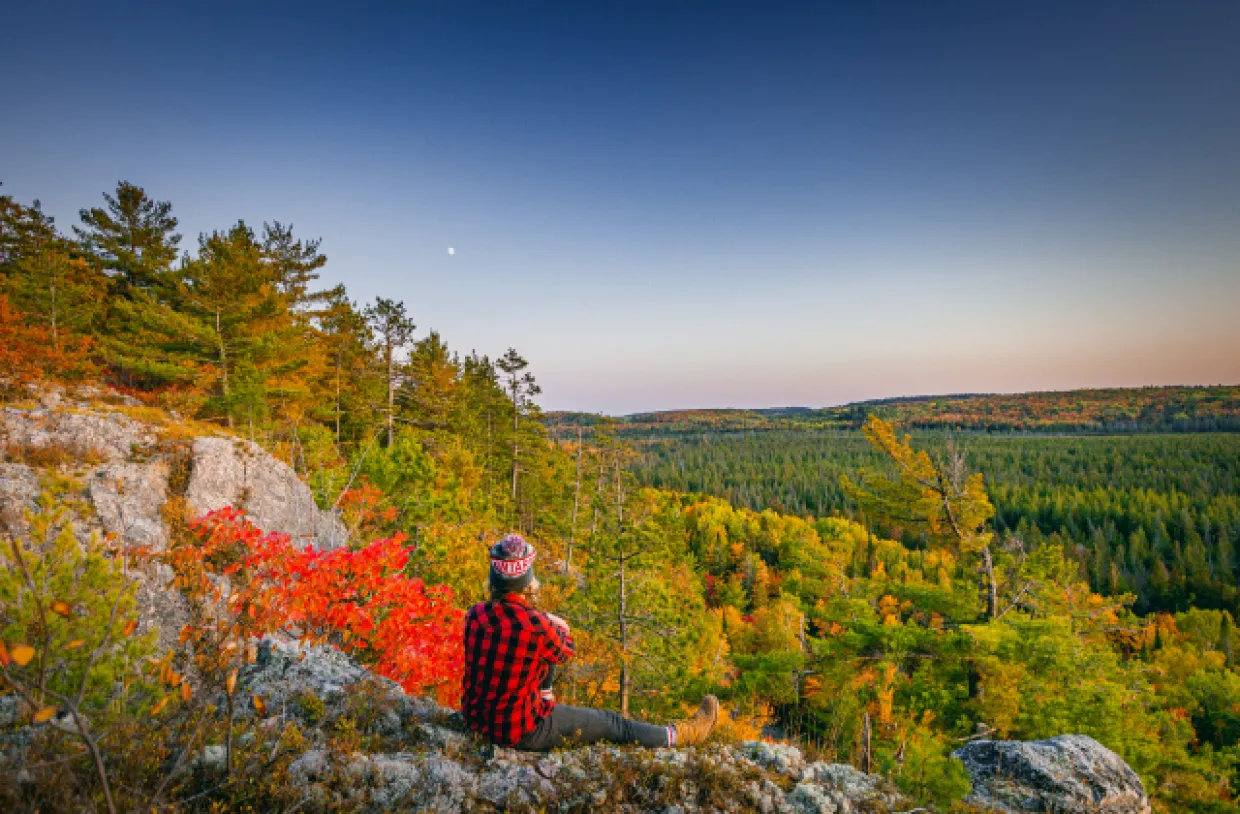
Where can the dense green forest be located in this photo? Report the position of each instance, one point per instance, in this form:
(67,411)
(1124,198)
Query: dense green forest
(1032,586)
(1154,515)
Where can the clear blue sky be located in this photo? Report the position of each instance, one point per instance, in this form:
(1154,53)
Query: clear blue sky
(678,204)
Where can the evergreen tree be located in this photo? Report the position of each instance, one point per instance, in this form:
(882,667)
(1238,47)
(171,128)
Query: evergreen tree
(345,385)
(133,237)
(43,277)
(393,330)
(521,390)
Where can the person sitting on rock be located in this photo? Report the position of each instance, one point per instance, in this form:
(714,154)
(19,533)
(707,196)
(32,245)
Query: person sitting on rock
(511,648)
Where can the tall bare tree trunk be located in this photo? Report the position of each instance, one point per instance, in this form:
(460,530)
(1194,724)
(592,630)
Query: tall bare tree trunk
(624,641)
(338,363)
(219,340)
(516,414)
(55,332)
(391,406)
(625,678)
(598,489)
(992,585)
(572,529)
(865,744)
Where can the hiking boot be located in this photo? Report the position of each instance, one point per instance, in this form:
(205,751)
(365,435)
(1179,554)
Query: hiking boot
(694,730)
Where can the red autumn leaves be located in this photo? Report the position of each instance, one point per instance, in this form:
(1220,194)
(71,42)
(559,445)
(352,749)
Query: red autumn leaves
(361,600)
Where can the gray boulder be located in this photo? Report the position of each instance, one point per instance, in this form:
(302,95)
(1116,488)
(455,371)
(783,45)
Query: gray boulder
(1068,773)
(233,472)
(127,498)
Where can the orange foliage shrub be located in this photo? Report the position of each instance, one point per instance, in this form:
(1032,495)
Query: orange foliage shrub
(28,354)
(360,600)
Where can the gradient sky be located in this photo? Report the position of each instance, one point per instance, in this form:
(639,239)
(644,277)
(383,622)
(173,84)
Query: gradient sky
(678,204)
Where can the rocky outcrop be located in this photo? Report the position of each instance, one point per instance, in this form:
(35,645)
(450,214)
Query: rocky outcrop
(81,435)
(1066,773)
(233,472)
(122,471)
(442,768)
(128,470)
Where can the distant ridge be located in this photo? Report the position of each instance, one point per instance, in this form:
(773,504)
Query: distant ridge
(1137,409)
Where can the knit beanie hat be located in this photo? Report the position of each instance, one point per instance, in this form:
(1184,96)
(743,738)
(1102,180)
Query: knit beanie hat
(512,564)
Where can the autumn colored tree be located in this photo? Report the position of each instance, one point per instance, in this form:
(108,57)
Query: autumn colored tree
(940,496)
(429,395)
(44,277)
(28,352)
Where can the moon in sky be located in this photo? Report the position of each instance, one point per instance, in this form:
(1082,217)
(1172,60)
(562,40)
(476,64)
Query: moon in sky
(451,250)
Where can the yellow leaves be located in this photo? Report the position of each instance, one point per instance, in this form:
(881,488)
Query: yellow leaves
(230,684)
(22,654)
(735,727)
(186,692)
(1003,690)
(259,705)
(130,627)
(888,605)
(75,644)
(160,704)
(61,608)
(44,715)
(5,659)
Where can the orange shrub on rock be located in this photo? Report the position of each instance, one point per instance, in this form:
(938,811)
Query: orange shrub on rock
(360,600)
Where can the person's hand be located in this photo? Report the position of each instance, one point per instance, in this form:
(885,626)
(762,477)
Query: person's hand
(558,622)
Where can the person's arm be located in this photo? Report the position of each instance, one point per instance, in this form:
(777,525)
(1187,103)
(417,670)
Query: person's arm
(557,641)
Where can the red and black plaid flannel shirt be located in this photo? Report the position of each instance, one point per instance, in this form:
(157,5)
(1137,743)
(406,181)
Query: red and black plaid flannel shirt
(509,647)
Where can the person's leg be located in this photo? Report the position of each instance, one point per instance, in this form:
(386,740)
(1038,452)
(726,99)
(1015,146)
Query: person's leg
(581,726)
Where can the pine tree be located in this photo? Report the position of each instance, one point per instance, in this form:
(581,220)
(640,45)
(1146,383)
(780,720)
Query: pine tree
(133,238)
(521,389)
(393,330)
(293,265)
(430,394)
(44,278)
(345,339)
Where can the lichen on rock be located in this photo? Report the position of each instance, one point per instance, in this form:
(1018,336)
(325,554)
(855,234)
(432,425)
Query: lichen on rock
(1065,773)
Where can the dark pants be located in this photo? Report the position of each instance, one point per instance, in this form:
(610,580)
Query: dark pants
(579,726)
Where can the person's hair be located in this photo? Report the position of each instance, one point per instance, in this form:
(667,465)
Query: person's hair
(529,593)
